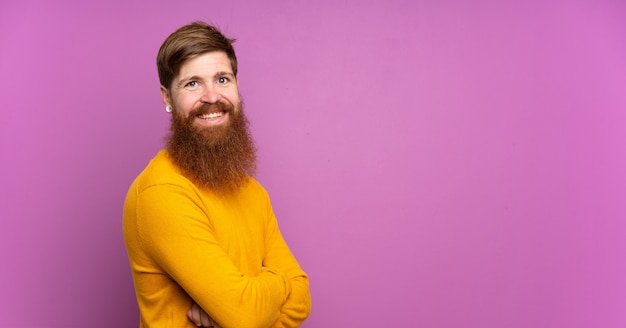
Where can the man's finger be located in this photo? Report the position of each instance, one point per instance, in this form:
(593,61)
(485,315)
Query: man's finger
(206,322)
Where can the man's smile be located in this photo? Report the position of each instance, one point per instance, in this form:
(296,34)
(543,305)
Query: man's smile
(212,118)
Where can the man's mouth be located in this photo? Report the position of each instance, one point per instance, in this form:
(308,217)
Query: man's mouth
(211,116)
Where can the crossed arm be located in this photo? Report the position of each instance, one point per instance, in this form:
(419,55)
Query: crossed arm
(276,296)
(297,306)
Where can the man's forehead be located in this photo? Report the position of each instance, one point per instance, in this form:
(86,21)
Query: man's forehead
(215,60)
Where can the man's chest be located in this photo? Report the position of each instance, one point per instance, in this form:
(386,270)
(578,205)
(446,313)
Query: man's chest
(240,231)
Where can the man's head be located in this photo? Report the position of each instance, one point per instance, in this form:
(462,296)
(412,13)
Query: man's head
(187,42)
(209,138)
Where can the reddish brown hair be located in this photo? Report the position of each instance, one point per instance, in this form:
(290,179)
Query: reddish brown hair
(187,42)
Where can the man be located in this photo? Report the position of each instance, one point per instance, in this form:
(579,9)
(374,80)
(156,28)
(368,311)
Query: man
(202,239)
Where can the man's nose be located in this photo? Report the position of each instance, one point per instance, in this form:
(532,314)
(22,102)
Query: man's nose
(210,95)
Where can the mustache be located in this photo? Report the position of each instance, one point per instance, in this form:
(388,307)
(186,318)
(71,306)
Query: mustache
(216,107)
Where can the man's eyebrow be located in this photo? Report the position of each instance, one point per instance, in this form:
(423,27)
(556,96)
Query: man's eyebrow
(182,81)
(224,73)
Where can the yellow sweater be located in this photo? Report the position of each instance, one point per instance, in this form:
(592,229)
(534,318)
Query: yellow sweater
(186,244)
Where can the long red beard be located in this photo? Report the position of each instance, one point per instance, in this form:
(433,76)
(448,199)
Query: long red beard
(219,158)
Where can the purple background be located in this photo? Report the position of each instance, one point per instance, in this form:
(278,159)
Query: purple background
(431,163)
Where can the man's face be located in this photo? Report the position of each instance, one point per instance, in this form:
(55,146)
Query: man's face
(204,80)
(209,137)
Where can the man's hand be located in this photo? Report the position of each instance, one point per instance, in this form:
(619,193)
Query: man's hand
(200,318)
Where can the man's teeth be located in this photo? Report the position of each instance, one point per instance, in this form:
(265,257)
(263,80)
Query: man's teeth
(210,115)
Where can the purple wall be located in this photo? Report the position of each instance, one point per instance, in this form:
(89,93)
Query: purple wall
(432,163)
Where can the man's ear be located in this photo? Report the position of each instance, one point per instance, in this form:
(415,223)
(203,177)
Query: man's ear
(167,100)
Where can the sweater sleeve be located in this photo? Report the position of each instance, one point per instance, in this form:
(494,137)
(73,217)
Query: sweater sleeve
(298,305)
(175,232)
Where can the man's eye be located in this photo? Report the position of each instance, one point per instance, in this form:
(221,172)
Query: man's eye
(192,84)
(222,80)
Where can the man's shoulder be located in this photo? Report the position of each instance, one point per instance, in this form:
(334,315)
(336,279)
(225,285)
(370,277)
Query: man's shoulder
(160,171)
(254,189)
